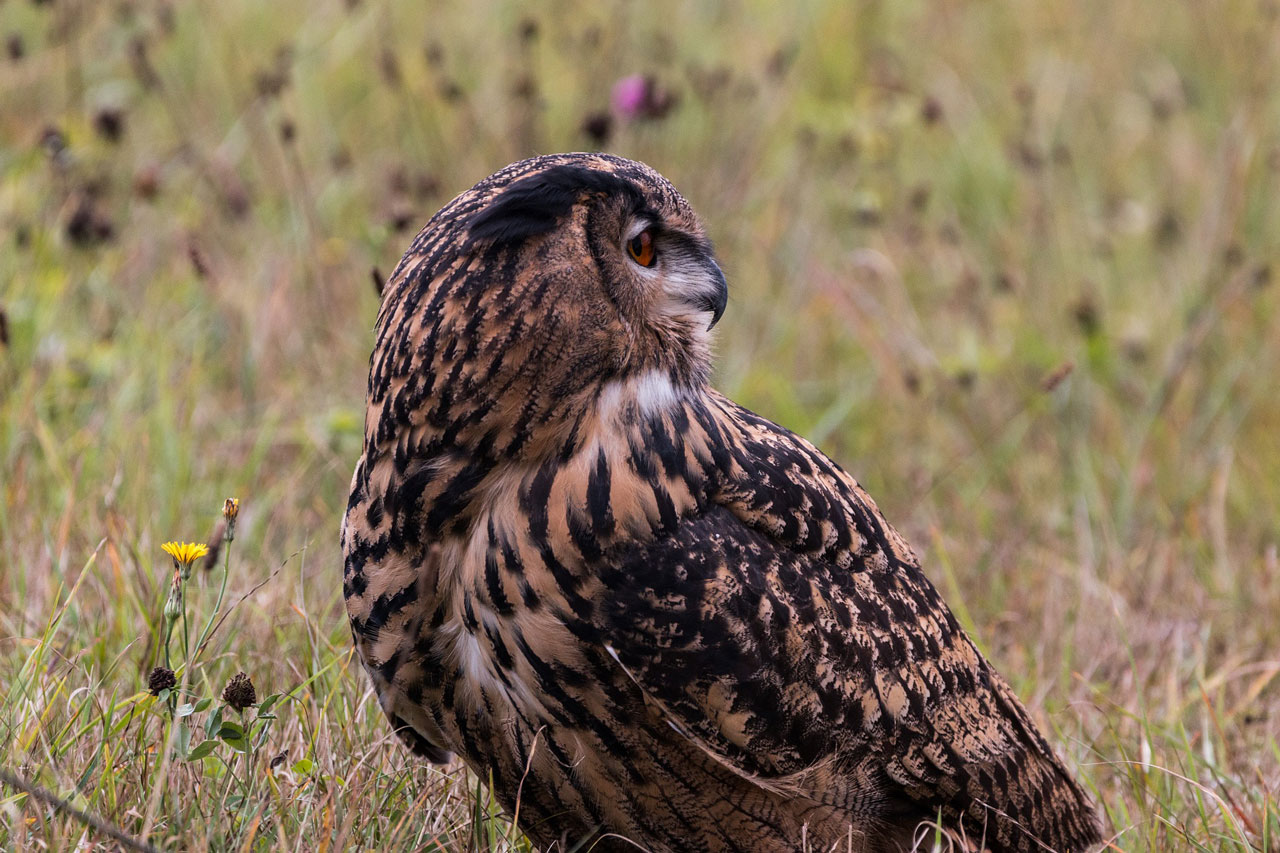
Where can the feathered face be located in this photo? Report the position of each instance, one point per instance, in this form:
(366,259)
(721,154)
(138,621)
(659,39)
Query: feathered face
(627,262)
(525,295)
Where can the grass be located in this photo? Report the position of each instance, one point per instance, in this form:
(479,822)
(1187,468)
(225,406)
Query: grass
(1011,263)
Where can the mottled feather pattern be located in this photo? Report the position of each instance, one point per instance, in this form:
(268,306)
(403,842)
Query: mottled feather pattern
(642,609)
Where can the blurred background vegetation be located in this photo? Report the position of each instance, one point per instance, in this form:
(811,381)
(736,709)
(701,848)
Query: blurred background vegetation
(1010,263)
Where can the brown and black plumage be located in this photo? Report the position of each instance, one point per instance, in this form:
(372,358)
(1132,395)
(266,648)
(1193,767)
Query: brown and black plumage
(639,609)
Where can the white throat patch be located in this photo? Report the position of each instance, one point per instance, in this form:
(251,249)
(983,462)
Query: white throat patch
(652,391)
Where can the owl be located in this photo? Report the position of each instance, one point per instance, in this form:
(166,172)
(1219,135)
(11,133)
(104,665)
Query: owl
(648,617)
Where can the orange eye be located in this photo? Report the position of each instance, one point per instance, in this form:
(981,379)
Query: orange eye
(640,248)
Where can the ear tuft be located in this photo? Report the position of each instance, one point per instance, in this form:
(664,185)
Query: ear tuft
(535,205)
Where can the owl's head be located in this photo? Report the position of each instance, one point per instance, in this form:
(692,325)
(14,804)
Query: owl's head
(623,256)
(530,292)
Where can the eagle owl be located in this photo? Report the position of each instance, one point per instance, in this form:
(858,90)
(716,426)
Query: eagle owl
(646,615)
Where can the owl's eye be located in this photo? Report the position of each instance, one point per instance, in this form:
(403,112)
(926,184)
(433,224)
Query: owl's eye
(640,248)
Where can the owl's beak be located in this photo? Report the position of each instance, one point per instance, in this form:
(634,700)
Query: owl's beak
(716,296)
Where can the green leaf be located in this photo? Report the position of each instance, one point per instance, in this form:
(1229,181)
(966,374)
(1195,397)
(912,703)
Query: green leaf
(232,734)
(304,766)
(230,728)
(214,723)
(203,704)
(239,744)
(202,749)
(184,739)
(268,703)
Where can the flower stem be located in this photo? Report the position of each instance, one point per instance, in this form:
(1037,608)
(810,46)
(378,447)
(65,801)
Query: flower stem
(186,648)
(222,591)
(168,632)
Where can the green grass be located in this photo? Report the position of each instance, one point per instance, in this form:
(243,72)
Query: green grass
(925,211)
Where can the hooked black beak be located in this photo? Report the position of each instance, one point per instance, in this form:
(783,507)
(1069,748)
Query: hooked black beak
(715,299)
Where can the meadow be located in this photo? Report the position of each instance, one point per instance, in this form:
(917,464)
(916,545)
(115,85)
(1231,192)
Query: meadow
(1012,264)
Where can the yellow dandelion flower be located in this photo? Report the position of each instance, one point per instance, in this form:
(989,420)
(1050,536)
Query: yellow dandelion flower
(184,553)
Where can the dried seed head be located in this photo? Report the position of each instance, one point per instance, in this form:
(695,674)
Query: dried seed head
(108,122)
(88,225)
(161,678)
(931,110)
(598,126)
(239,692)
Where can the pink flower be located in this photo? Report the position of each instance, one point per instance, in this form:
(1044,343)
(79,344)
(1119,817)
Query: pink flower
(640,96)
(630,94)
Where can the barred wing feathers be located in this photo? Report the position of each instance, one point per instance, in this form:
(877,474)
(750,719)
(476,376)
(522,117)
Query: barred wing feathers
(789,629)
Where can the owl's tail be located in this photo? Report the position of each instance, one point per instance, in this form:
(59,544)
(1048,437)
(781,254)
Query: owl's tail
(1025,799)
